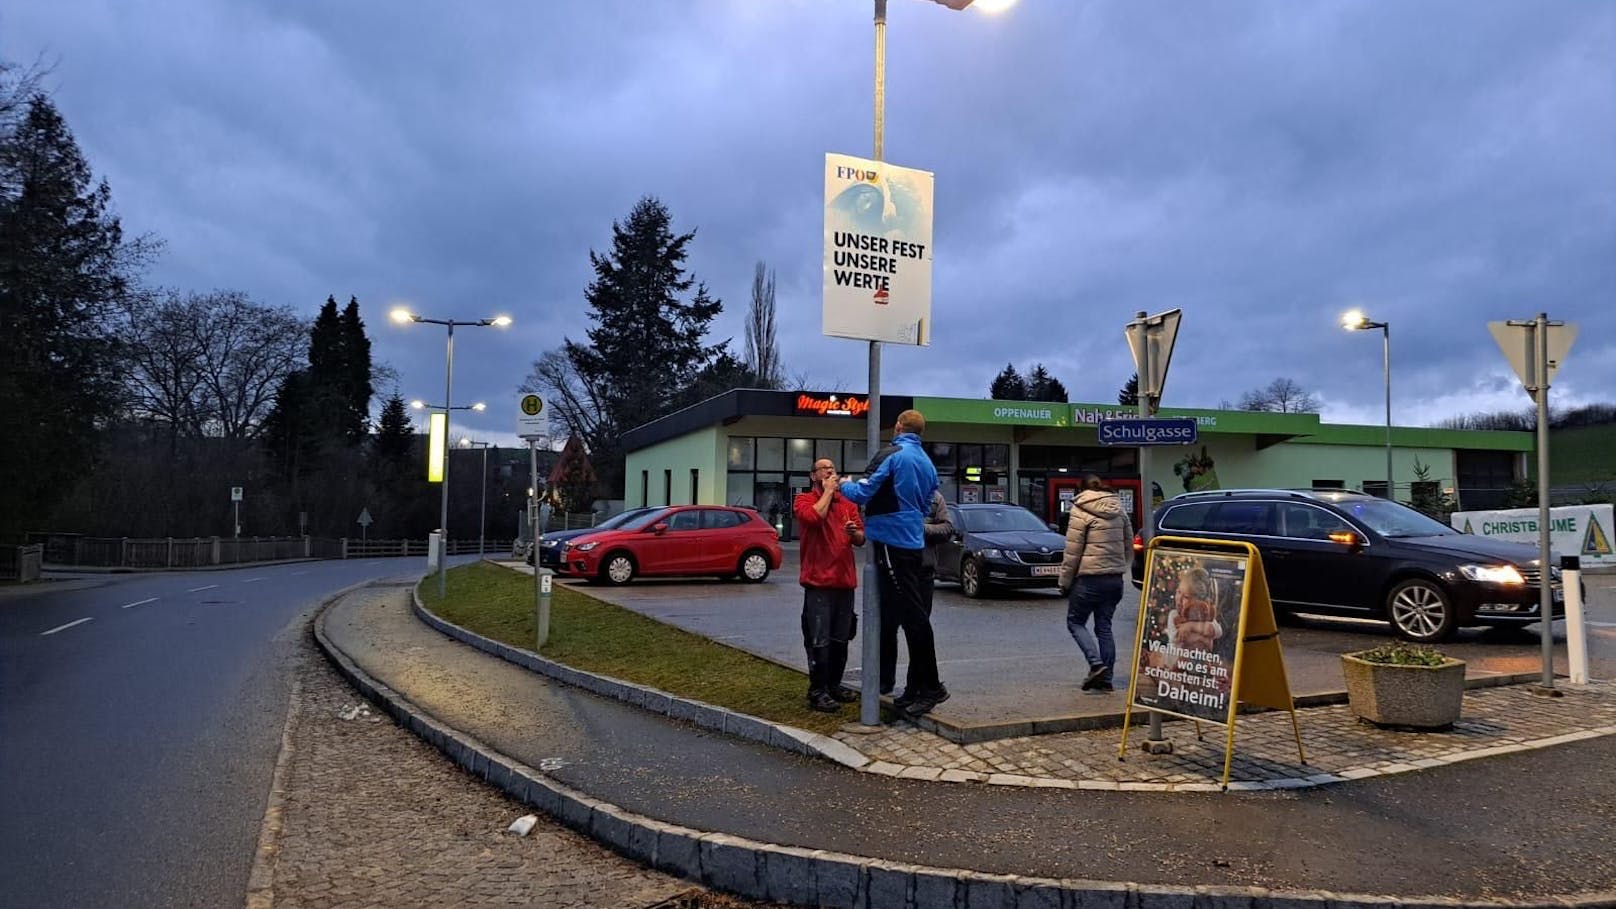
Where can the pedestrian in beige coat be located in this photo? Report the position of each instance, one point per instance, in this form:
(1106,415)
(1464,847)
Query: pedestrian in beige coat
(1099,547)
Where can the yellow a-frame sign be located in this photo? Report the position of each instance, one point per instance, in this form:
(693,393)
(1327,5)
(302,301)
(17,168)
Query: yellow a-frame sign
(1190,664)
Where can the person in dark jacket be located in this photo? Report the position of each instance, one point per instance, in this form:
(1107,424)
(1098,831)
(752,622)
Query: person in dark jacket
(830,527)
(937,531)
(896,493)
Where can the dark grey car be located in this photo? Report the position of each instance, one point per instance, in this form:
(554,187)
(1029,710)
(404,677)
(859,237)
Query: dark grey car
(999,546)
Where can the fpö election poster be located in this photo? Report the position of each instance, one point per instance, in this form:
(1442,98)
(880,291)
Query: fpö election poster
(1191,622)
(877,251)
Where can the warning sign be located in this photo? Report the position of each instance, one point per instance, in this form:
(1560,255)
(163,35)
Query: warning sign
(1595,542)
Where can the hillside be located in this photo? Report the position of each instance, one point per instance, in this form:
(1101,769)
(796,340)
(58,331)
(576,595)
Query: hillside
(1580,456)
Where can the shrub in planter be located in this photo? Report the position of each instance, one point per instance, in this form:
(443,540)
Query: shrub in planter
(1404,685)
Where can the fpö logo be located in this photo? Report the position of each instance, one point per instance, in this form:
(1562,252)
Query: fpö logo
(844,172)
(832,405)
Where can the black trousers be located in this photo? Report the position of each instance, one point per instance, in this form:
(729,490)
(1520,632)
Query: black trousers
(905,588)
(828,623)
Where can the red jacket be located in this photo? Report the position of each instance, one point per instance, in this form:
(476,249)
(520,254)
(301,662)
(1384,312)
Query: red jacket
(825,551)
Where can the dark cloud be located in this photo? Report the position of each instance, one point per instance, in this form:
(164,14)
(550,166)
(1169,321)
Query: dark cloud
(1263,165)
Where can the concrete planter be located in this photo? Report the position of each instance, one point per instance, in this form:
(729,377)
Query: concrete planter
(1420,697)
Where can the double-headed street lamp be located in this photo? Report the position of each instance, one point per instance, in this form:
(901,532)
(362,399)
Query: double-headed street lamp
(403,316)
(482,514)
(1355,320)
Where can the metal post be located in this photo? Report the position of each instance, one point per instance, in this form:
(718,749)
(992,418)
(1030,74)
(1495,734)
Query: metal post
(1155,742)
(870,659)
(482,514)
(1540,373)
(541,593)
(1386,341)
(443,531)
(237,503)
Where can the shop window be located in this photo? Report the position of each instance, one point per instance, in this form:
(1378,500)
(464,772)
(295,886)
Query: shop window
(739,490)
(740,453)
(645,487)
(968,455)
(830,448)
(1329,484)
(695,478)
(667,487)
(800,455)
(771,454)
(858,457)
(996,457)
(943,456)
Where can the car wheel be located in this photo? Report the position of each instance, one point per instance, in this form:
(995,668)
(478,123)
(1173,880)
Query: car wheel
(970,577)
(1421,611)
(755,566)
(618,568)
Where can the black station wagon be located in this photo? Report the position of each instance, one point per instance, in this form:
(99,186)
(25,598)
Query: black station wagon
(1333,552)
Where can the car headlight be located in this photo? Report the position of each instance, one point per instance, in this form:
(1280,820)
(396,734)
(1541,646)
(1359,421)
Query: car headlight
(991,553)
(1493,574)
(584,547)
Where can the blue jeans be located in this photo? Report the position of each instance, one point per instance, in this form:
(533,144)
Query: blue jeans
(1094,595)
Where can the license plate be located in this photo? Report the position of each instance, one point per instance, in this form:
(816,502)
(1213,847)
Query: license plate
(1045,571)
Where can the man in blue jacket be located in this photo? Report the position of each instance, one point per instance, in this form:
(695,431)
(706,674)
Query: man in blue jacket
(896,493)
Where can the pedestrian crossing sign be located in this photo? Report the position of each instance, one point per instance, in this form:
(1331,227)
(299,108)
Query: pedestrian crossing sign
(1594,541)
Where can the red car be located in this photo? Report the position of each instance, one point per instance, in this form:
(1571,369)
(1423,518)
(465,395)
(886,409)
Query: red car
(680,540)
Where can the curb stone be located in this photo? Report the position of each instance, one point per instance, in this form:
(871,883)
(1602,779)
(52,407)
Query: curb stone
(765,871)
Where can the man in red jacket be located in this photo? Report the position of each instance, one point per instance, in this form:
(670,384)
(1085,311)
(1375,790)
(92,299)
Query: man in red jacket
(830,527)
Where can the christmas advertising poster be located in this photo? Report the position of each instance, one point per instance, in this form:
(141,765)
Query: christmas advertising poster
(1190,628)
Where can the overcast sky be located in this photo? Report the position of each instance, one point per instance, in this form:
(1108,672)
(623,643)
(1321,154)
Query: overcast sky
(1262,165)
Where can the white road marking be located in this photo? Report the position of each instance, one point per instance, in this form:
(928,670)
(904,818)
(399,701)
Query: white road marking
(67,626)
(139,603)
(1603,624)
(205,587)
(250,580)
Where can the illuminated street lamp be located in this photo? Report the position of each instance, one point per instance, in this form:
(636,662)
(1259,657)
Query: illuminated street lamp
(482,517)
(1355,320)
(403,316)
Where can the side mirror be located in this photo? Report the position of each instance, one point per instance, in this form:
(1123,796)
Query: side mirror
(659,528)
(1353,540)
(1053,527)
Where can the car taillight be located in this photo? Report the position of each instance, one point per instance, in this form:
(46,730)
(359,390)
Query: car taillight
(1138,542)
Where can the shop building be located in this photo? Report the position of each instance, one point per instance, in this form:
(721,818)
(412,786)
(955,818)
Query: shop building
(755,448)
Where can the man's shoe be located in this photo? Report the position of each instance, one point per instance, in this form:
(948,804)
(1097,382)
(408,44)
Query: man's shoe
(845,695)
(823,702)
(925,703)
(1096,674)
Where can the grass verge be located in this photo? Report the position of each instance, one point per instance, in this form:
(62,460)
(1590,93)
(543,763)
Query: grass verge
(596,636)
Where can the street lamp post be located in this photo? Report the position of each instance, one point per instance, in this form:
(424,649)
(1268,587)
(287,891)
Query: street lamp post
(1355,320)
(870,654)
(403,316)
(482,519)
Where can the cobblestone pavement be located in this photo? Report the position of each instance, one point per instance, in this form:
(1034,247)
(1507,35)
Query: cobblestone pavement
(372,817)
(1339,746)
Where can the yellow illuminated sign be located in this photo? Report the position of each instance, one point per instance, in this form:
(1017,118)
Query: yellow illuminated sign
(437,439)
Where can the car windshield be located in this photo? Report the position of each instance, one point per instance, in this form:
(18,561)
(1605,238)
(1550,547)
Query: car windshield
(641,521)
(1003,518)
(1390,519)
(616,521)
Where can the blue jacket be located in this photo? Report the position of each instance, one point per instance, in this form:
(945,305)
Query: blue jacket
(896,492)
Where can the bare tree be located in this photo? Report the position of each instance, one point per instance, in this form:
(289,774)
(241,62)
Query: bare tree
(762,346)
(1280,396)
(209,364)
(572,400)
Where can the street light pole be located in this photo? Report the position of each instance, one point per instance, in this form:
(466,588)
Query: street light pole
(402,315)
(482,519)
(1355,320)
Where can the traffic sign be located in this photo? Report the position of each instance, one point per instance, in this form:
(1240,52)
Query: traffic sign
(1151,338)
(531,420)
(235,493)
(364,517)
(1132,433)
(1520,344)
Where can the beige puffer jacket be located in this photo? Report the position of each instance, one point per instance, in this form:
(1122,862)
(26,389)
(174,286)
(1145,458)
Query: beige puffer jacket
(1099,539)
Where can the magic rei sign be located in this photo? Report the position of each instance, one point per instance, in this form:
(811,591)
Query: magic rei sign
(819,405)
